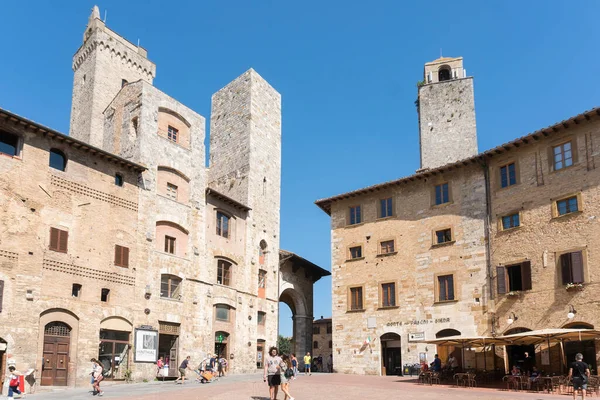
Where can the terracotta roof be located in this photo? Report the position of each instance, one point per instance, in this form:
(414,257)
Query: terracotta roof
(325,204)
(316,271)
(55,135)
(227,199)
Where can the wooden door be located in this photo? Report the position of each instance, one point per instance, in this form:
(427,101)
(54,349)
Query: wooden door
(173,361)
(56,361)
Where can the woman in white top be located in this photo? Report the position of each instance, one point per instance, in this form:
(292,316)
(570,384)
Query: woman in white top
(98,377)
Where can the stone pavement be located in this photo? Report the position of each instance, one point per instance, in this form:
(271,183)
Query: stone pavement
(315,387)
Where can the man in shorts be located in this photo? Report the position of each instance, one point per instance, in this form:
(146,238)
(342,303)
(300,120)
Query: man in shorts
(272,373)
(580,372)
(182,369)
(307,361)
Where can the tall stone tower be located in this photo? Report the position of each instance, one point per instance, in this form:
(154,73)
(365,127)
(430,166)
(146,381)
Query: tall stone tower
(102,65)
(446,106)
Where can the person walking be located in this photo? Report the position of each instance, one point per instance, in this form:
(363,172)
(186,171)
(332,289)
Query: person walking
(294,365)
(272,372)
(93,361)
(159,365)
(330,364)
(287,373)
(580,373)
(307,360)
(13,382)
(185,365)
(98,377)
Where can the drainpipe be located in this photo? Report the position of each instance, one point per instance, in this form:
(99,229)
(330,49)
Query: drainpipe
(488,244)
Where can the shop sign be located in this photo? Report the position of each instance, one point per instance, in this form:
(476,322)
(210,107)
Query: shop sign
(416,336)
(146,346)
(412,322)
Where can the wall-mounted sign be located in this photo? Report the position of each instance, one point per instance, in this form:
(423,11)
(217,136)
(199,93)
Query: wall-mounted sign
(416,336)
(146,346)
(430,321)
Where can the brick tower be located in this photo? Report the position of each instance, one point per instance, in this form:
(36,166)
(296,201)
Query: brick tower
(102,66)
(446,107)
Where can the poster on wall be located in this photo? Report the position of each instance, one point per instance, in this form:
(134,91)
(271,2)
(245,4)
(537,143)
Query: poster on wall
(545,357)
(146,346)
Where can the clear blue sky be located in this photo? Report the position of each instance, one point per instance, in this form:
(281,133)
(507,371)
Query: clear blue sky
(346,71)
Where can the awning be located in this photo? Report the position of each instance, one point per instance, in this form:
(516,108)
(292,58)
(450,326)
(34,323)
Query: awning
(550,335)
(467,341)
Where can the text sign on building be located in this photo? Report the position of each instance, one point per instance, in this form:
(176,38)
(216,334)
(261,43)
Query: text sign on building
(146,346)
(419,322)
(416,336)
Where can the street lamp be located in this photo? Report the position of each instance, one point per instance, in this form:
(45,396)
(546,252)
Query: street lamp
(572,312)
(511,318)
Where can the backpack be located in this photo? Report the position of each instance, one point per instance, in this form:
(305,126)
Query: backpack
(288,373)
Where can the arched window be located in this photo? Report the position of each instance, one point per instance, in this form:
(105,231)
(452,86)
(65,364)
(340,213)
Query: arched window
(262,252)
(447,333)
(57,328)
(222,312)
(58,160)
(224,272)
(444,74)
(170,286)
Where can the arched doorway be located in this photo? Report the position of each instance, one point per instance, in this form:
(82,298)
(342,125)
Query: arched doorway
(221,342)
(301,322)
(114,347)
(57,339)
(391,355)
(585,347)
(444,352)
(516,353)
(444,73)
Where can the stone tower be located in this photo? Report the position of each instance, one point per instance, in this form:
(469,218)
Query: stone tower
(446,107)
(102,66)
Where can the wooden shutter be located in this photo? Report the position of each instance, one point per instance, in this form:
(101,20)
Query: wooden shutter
(526,275)
(1,294)
(125,256)
(501,279)
(63,240)
(577,266)
(450,280)
(565,268)
(117,255)
(53,239)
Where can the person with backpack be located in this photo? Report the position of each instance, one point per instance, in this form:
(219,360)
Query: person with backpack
(294,365)
(98,377)
(580,372)
(287,373)
(13,383)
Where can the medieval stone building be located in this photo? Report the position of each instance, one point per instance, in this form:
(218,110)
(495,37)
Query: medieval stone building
(473,243)
(118,243)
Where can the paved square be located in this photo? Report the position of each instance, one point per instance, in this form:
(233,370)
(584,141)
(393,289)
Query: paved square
(315,387)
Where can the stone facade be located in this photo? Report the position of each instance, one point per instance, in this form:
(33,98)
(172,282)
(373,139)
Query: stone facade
(157,245)
(520,247)
(322,345)
(447,129)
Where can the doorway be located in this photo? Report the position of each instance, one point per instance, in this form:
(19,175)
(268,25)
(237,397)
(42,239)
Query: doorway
(113,353)
(516,353)
(444,352)
(3,346)
(221,340)
(390,349)
(57,339)
(168,346)
(260,351)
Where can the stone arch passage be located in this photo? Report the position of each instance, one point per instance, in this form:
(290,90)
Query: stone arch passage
(445,351)
(586,347)
(391,354)
(297,277)
(57,328)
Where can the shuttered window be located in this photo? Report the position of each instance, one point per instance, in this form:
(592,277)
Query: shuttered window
(388,295)
(446,288)
(121,256)
(1,294)
(513,278)
(356,298)
(571,265)
(58,240)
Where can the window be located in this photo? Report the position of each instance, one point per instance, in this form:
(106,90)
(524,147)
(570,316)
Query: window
(511,221)
(567,206)
(124,82)
(9,144)
(388,295)
(58,240)
(172,191)
(261,318)
(222,312)
(316,330)
(443,236)
(444,74)
(119,180)
(356,298)
(262,283)
(355,215)
(442,194)
(58,160)
(563,156)
(121,256)
(169,244)
(512,278)
(571,267)
(315,345)
(104,295)
(262,252)
(329,329)
(223,272)
(508,175)
(355,252)
(222,224)
(386,247)
(172,133)
(76,290)
(1,294)
(170,286)
(445,287)
(330,344)
(385,208)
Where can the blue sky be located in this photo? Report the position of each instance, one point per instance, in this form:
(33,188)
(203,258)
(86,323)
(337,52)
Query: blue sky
(347,72)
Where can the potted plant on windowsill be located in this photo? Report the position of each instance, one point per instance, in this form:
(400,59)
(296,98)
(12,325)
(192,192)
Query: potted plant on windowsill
(513,293)
(571,287)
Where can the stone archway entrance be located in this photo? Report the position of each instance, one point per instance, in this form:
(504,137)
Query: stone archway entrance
(296,279)
(391,355)
(445,351)
(57,340)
